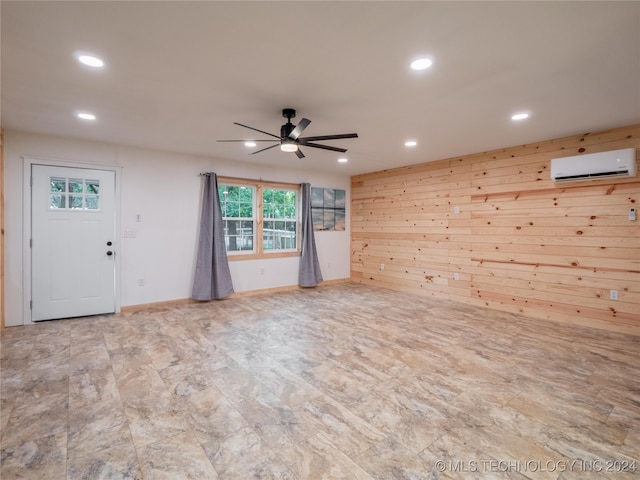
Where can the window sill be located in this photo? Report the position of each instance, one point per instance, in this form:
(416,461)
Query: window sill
(262,256)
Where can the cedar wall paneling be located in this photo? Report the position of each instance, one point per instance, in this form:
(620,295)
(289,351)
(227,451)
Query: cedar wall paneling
(519,243)
(1,231)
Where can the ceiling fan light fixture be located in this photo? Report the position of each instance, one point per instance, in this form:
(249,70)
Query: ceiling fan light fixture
(290,139)
(288,146)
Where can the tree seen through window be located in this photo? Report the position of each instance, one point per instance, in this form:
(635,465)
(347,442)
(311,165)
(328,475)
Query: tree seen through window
(237,205)
(241,210)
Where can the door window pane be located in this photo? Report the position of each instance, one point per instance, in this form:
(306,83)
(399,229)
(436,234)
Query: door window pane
(92,187)
(75,201)
(58,184)
(76,185)
(82,194)
(91,203)
(58,201)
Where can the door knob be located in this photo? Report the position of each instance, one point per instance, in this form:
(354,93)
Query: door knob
(109,252)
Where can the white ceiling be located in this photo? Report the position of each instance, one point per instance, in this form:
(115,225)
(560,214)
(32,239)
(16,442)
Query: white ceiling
(179,73)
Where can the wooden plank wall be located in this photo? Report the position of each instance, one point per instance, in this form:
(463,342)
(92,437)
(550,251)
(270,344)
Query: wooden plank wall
(1,230)
(519,243)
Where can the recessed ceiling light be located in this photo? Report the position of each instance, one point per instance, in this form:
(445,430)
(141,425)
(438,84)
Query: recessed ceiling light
(91,61)
(86,116)
(421,64)
(343,160)
(519,116)
(249,144)
(410,143)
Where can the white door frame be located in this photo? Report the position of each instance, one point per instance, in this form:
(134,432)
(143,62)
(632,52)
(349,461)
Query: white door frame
(28,162)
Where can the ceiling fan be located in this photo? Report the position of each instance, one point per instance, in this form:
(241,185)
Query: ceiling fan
(290,139)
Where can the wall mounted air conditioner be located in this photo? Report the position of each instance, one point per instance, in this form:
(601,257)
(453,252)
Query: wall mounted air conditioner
(594,166)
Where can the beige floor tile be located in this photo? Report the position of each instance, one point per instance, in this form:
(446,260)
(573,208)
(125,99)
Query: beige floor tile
(346,430)
(243,455)
(389,460)
(342,381)
(318,459)
(33,418)
(211,415)
(155,418)
(118,462)
(176,458)
(43,458)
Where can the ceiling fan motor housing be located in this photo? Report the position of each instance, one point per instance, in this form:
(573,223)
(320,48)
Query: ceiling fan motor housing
(286,129)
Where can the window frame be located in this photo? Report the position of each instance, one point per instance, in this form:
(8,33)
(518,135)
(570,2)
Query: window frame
(242,219)
(259,186)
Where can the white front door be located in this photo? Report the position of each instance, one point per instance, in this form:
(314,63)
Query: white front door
(73,242)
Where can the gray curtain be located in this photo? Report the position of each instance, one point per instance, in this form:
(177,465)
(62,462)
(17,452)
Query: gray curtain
(213,278)
(309,274)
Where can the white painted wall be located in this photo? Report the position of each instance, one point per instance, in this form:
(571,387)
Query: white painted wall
(165,190)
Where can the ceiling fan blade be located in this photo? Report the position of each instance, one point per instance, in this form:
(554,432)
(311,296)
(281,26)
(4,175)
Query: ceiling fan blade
(271,146)
(295,133)
(299,153)
(329,137)
(324,147)
(255,129)
(246,140)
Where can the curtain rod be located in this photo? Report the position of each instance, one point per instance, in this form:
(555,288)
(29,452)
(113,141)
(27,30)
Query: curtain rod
(206,174)
(249,180)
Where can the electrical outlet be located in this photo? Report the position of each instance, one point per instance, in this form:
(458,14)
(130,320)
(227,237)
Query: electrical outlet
(456,210)
(613,294)
(456,276)
(382,266)
(632,214)
(141,282)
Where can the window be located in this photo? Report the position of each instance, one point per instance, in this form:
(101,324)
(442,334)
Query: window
(279,224)
(74,194)
(260,218)
(237,205)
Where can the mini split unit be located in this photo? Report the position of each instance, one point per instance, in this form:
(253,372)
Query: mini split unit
(594,166)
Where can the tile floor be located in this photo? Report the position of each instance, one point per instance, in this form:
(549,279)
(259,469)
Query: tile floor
(339,382)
